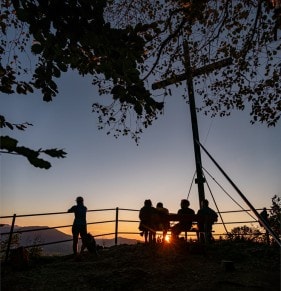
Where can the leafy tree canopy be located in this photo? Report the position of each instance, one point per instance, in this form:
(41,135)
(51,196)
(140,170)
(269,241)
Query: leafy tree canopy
(275,215)
(128,45)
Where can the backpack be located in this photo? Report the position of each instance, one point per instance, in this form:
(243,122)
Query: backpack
(91,243)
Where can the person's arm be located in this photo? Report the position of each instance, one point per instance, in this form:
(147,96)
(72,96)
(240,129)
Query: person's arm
(72,209)
(141,215)
(214,216)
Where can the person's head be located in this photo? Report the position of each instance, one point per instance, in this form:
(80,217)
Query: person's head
(184,203)
(205,203)
(147,203)
(79,200)
(159,205)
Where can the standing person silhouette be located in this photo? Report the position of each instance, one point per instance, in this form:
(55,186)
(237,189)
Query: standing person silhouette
(79,224)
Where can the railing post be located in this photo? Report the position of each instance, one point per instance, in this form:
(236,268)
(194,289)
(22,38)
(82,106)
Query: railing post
(10,238)
(116,225)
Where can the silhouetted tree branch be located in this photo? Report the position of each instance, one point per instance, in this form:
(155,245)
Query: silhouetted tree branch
(122,43)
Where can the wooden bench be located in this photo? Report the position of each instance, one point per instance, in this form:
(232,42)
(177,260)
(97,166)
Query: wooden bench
(186,218)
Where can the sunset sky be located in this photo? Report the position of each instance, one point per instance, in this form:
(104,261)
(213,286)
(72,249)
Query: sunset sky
(111,172)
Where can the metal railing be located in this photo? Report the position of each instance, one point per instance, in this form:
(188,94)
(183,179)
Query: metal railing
(116,222)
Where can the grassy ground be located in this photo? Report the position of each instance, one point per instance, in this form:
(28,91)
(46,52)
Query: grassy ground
(160,267)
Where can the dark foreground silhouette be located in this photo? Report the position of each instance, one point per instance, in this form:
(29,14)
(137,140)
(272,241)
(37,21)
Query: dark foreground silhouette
(186,266)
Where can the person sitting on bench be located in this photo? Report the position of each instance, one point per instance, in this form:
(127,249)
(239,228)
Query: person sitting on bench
(147,226)
(184,224)
(205,224)
(163,222)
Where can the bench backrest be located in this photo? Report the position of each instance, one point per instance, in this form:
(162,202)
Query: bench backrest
(185,217)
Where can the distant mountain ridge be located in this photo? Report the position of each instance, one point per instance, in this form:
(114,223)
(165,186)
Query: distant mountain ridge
(31,235)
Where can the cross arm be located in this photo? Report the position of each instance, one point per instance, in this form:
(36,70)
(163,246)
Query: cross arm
(195,72)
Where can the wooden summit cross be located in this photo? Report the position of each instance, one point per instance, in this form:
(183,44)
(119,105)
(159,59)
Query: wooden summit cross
(188,76)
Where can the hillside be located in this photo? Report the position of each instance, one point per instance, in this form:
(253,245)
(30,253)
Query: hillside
(160,267)
(30,235)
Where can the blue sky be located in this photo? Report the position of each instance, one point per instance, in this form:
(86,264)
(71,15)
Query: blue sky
(111,172)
